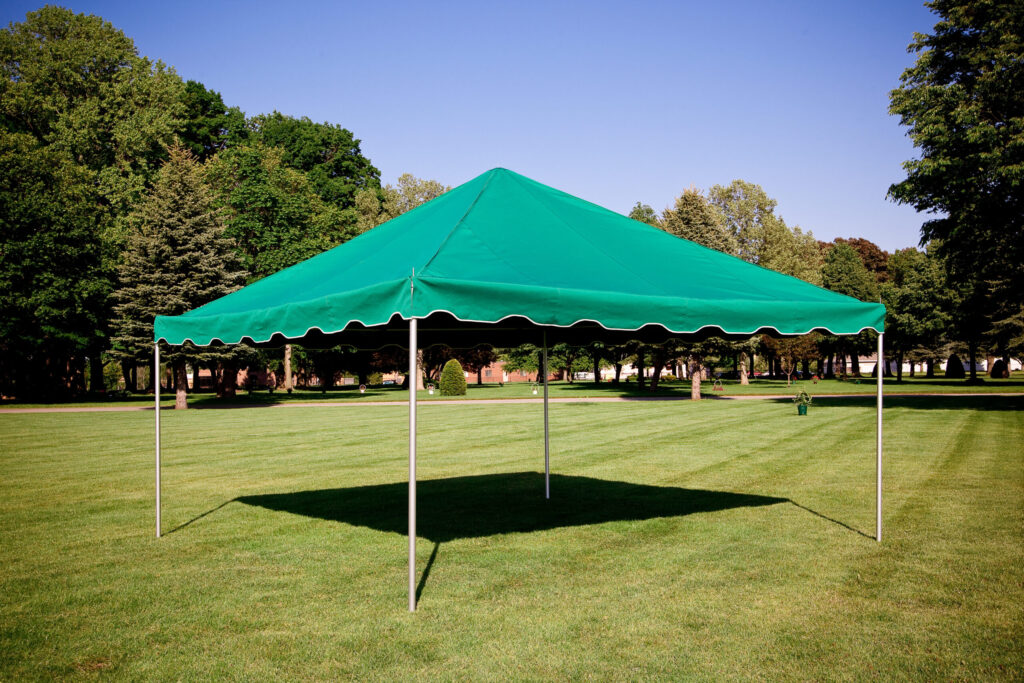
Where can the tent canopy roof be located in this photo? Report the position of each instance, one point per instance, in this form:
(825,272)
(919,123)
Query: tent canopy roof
(504,254)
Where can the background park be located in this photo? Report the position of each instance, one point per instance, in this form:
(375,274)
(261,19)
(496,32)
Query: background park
(723,538)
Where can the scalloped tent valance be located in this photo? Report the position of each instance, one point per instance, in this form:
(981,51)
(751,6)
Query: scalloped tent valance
(502,254)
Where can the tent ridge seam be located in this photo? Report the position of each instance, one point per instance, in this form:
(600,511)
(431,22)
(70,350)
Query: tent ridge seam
(459,222)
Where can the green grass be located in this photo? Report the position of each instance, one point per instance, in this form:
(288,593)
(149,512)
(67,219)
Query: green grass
(578,389)
(717,540)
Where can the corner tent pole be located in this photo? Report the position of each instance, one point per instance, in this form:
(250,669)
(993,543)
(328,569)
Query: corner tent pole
(547,441)
(878,443)
(156,393)
(413,369)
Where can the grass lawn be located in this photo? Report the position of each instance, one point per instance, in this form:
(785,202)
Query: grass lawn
(578,389)
(711,540)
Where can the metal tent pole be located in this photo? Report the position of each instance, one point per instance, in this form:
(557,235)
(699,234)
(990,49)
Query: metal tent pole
(547,441)
(156,392)
(413,369)
(878,443)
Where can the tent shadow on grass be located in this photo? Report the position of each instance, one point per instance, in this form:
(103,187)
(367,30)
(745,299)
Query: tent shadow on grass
(486,505)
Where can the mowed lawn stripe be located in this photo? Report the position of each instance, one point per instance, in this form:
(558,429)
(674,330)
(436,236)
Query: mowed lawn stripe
(633,583)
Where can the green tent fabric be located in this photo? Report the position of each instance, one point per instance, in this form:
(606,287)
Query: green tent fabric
(503,249)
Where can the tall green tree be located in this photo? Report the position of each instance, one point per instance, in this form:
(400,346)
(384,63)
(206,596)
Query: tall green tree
(272,212)
(762,236)
(844,272)
(874,258)
(78,87)
(328,154)
(208,125)
(53,287)
(917,303)
(963,105)
(695,219)
(178,258)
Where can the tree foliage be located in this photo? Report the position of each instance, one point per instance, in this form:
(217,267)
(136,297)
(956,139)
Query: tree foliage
(178,258)
(78,86)
(328,154)
(695,219)
(917,301)
(208,125)
(645,214)
(844,272)
(963,104)
(874,258)
(273,213)
(53,287)
(762,237)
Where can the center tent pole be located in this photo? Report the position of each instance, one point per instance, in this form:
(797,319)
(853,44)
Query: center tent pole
(413,369)
(878,443)
(156,393)
(547,441)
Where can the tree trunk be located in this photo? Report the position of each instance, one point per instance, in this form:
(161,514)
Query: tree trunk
(972,347)
(597,369)
(743,368)
(806,368)
(655,375)
(288,385)
(480,375)
(694,365)
(855,364)
(929,368)
(228,381)
(912,365)
(126,372)
(640,377)
(180,385)
(899,366)
(618,372)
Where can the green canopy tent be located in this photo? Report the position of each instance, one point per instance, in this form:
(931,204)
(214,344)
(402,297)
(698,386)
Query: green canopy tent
(504,259)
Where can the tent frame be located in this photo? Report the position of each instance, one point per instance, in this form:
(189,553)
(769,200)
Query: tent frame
(414,369)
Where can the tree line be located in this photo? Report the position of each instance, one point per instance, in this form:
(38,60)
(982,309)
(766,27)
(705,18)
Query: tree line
(127,192)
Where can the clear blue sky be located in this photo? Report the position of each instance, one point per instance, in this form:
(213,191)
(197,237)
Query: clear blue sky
(615,102)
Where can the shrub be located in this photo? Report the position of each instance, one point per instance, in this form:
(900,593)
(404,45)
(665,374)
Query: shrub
(453,379)
(955,367)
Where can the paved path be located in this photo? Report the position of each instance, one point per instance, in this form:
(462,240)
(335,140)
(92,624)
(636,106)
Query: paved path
(473,401)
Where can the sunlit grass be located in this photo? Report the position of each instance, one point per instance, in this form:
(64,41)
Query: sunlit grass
(712,540)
